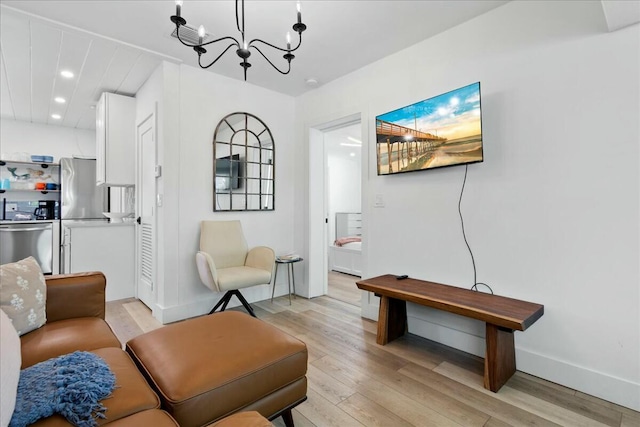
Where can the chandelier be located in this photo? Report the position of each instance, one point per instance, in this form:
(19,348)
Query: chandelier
(242,46)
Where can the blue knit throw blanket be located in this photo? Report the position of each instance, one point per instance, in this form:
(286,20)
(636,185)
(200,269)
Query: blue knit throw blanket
(71,385)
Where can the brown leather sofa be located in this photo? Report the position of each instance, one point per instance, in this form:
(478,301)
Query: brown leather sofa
(75,321)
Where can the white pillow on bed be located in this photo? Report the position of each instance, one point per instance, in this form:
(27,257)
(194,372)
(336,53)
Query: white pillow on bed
(9,368)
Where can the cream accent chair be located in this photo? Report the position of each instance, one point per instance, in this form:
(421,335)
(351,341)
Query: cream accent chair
(225,263)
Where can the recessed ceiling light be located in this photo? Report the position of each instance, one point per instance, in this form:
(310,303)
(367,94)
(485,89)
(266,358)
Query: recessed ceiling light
(66,74)
(59,100)
(56,116)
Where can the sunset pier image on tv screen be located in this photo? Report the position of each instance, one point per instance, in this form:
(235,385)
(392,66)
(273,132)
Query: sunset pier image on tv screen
(445,130)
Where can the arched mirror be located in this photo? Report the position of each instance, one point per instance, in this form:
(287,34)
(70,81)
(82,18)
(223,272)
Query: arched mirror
(243,164)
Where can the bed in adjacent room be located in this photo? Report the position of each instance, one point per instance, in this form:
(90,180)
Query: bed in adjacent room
(345,254)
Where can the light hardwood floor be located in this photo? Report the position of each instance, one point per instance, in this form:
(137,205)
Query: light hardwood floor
(409,382)
(343,288)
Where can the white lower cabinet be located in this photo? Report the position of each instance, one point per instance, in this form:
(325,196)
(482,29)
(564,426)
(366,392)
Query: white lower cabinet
(109,248)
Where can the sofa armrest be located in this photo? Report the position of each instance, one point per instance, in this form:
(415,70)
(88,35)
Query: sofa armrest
(76,295)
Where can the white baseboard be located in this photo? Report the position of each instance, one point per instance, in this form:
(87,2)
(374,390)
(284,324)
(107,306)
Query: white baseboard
(456,338)
(617,390)
(369,312)
(184,311)
(204,305)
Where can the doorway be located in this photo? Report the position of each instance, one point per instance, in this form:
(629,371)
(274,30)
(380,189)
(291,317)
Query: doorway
(335,190)
(343,150)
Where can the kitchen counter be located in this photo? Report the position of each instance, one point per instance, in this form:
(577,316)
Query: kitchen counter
(30,221)
(83,224)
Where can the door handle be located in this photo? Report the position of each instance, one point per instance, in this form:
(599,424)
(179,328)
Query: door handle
(22,229)
(138,220)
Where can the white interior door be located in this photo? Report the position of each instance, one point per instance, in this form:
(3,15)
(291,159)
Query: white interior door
(317,266)
(146,211)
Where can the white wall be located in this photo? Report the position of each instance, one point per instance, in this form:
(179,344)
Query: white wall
(41,139)
(552,214)
(191,103)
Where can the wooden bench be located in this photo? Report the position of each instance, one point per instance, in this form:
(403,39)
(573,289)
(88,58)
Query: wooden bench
(502,316)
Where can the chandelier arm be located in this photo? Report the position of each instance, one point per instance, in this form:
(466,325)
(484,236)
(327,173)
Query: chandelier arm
(276,47)
(272,64)
(215,60)
(220,39)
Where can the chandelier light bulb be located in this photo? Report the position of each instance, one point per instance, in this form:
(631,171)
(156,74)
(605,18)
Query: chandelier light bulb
(299,13)
(288,40)
(201,33)
(178,7)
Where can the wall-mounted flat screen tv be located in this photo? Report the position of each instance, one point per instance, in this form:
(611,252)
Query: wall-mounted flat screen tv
(228,173)
(445,130)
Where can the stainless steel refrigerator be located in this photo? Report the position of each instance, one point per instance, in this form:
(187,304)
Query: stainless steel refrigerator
(81,201)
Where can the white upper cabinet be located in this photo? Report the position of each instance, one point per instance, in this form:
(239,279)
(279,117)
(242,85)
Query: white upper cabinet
(115,140)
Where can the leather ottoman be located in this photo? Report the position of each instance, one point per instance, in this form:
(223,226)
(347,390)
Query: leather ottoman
(207,368)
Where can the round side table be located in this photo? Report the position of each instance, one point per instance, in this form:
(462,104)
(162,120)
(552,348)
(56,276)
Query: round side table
(291,278)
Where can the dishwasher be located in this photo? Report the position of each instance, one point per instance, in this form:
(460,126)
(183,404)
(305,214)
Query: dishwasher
(19,241)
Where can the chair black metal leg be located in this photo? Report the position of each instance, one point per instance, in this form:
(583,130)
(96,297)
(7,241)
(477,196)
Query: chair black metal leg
(228,296)
(224,301)
(244,302)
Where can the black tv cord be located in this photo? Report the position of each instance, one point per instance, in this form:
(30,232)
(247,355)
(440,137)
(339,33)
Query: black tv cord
(464,235)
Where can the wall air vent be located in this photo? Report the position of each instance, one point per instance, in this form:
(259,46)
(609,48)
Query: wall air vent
(189,35)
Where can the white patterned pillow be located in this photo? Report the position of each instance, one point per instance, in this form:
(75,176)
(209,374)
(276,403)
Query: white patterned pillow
(23,294)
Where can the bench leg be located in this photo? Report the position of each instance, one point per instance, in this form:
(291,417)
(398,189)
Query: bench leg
(392,319)
(500,359)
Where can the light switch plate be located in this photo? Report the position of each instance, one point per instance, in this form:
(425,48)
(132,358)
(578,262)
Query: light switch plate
(379,201)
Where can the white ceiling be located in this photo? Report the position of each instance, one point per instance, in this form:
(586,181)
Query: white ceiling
(344,141)
(115,45)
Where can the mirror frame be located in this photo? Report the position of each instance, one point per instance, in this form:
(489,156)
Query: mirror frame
(245,132)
